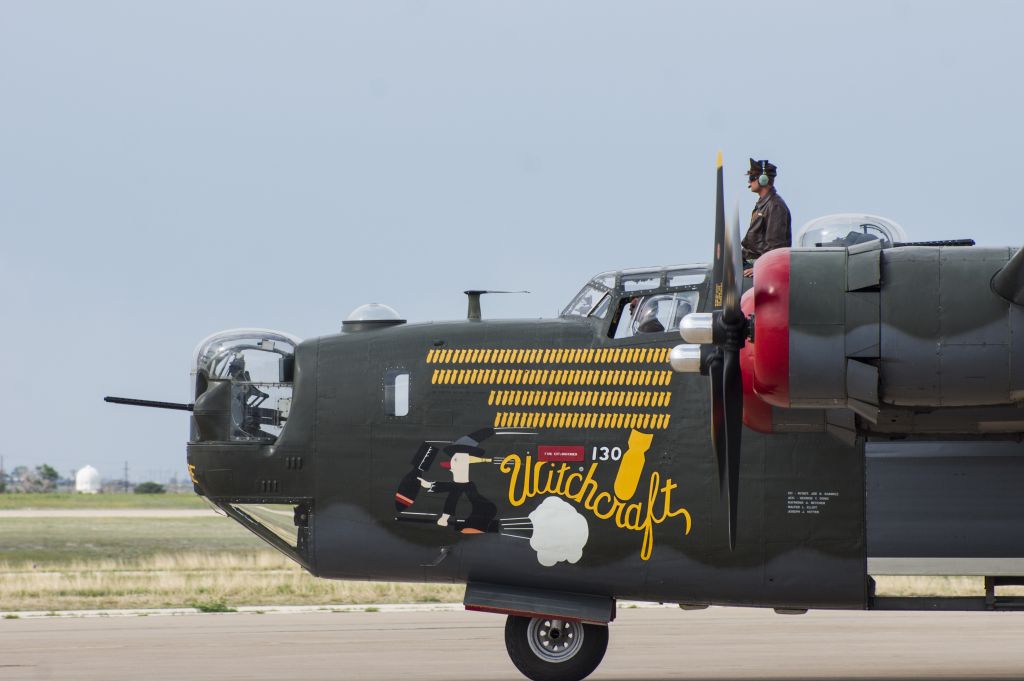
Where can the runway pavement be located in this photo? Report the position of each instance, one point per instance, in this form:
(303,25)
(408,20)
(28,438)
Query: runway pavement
(660,643)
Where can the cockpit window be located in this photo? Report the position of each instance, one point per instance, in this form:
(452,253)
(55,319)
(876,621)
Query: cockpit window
(614,291)
(688,277)
(585,301)
(670,309)
(640,281)
(601,309)
(655,313)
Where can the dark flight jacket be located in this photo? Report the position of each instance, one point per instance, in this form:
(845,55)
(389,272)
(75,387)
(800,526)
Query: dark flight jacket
(770,227)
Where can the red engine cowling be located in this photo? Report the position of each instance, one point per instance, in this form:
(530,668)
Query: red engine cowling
(765,361)
(910,339)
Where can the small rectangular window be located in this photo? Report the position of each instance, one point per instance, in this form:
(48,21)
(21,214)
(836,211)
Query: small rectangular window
(396,392)
(686,277)
(640,282)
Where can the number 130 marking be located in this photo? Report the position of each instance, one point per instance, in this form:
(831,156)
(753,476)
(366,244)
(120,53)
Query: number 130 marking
(605,453)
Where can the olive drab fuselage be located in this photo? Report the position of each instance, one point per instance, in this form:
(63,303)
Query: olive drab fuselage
(565,456)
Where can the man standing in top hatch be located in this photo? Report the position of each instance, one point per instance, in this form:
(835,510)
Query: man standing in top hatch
(770,223)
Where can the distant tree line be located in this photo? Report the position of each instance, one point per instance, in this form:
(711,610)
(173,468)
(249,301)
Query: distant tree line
(45,478)
(42,478)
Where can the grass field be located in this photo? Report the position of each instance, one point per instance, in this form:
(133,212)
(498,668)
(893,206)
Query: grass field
(212,581)
(94,563)
(73,501)
(55,542)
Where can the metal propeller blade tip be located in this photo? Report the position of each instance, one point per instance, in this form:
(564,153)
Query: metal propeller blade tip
(717,262)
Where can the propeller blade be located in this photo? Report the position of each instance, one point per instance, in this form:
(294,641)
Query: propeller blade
(727,333)
(715,361)
(718,417)
(733,271)
(732,394)
(717,262)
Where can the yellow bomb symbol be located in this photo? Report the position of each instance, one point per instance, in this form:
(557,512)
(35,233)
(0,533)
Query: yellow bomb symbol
(632,465)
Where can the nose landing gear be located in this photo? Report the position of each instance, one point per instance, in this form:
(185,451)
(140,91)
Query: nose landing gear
(549,649)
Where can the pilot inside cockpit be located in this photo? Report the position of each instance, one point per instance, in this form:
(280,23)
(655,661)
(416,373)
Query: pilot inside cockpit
(644,312)
(655,314)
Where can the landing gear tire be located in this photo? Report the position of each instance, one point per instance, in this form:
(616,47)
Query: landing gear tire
(549,649)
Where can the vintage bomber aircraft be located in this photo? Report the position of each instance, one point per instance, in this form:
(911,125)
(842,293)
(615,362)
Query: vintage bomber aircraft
(864,412)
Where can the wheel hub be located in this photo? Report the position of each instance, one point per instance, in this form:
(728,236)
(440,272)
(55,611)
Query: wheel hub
(554,640)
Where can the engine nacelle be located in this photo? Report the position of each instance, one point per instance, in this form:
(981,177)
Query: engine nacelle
(893,334)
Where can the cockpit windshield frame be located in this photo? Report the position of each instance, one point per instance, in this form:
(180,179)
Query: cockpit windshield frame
(636,282)
(607,297)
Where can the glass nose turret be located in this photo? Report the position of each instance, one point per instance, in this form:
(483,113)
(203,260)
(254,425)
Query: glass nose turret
(242,382)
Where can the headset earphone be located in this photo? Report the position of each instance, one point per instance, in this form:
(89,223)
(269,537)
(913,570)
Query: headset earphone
(763,179)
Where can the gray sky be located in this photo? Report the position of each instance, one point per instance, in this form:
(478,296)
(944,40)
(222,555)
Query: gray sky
(171,169)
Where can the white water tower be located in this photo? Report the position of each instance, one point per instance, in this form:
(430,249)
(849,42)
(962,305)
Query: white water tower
(87,480)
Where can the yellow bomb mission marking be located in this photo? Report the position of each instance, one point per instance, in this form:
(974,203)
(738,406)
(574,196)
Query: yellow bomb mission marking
(632,465)
(531,478)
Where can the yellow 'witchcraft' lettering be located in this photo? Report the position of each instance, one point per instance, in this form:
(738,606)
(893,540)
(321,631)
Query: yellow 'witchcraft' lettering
(529,478)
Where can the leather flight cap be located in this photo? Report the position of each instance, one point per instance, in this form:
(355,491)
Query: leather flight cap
(769,168)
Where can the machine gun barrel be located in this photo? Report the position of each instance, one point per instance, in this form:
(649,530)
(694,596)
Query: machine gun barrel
(149,403)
